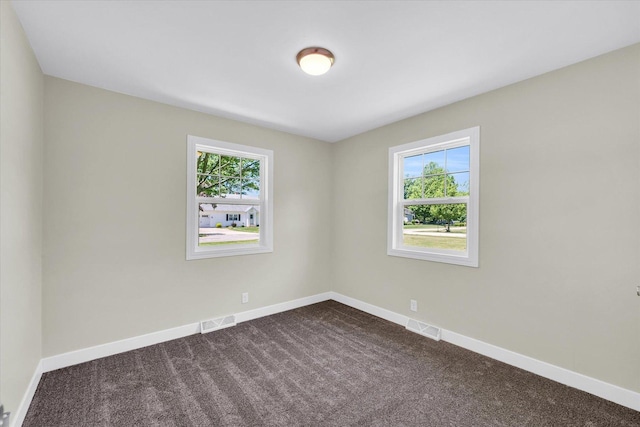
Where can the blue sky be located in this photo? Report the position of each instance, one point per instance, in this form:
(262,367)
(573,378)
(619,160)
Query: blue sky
(455,159)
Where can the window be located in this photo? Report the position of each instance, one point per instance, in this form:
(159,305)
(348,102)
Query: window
(433,198)
(229,199)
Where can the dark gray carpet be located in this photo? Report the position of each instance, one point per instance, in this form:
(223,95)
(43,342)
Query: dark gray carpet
(321,365)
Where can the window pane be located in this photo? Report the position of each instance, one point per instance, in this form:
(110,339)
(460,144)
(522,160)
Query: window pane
(434,163)
(207,186)
(436,226)
(230,166)
(458,159)
(230,186)
(221,224)
(250,189)
(413,188)
(250,169)
(433,186)
(458,184)
(412,166)
(208,163)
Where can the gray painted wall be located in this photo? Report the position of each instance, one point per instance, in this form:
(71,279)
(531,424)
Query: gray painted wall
(559,209)
(560,241)
(115,197)
(21,139)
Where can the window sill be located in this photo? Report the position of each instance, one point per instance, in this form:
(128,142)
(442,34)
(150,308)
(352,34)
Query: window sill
(203,254)
(449,258)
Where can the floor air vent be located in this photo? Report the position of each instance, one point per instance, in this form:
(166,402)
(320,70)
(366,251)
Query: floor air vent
(424,329)
(217,324)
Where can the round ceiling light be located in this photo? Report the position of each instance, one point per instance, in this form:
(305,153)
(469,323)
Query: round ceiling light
(315,60)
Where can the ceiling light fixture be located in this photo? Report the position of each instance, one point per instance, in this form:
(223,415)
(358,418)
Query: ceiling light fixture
(315,60)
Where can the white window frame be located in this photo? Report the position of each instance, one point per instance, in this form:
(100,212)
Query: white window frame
(397,203)
(265,245)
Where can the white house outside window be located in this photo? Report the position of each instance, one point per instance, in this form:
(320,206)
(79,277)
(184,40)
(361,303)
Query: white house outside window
(433,198)
(229,203)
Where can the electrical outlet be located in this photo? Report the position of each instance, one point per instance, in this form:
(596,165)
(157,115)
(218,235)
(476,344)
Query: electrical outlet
(245,297)
(414,305)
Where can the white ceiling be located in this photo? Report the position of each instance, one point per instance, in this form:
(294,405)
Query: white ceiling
(393,59)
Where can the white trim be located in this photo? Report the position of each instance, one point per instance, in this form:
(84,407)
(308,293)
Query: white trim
(611,392)
(371,309)
(96,352)
(92,353)
(397,202)
(265,245)
(607,391)
(17,418)
(280,307)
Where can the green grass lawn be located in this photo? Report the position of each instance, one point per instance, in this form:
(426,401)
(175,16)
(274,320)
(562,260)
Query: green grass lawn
(234,242)
(444,242)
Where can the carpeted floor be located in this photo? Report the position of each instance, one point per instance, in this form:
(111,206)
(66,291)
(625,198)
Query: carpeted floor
(322,365)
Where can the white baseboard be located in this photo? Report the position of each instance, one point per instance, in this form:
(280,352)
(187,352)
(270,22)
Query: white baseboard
(602,389)
(283,306)
(599,388)
(92,353)
(613,393)
(17,418)
(383,313)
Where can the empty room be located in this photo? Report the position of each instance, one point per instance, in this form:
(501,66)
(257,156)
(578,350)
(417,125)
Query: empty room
(319,213)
